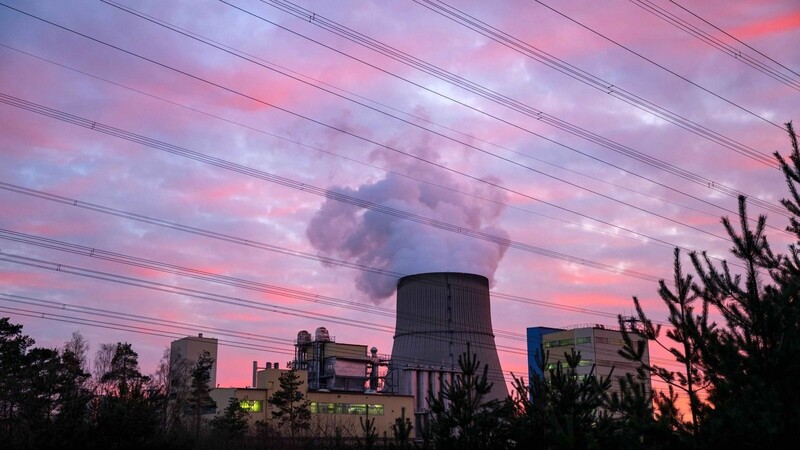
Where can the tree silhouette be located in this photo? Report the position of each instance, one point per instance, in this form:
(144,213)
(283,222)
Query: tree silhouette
(562,409)
(232,423)
(292,408)
(200,390)
(748,361)
(461,417)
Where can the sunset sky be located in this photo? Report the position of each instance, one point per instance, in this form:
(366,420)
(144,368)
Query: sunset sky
(248,169)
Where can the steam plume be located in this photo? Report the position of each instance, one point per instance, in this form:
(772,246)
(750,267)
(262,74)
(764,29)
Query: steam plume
(377,240)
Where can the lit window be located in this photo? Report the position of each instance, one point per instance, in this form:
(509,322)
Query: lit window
(252,406)
(346,408)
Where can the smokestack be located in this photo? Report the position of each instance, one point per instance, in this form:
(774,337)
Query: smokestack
(437,315)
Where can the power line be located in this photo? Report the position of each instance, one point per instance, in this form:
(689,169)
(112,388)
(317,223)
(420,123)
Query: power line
(691,29)
(269,247)
(411,177)
(426,161)
(407,122)
(710,185)
(174,325)
(196,274)
(661,66)
(327,193)
(733,37)
(201,275)
(390,52)
(219,298)
(597,83)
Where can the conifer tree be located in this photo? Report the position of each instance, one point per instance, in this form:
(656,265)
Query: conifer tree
(562,409)
(292,409)
(461,416)
(200,390)
(232,423)
(748,360)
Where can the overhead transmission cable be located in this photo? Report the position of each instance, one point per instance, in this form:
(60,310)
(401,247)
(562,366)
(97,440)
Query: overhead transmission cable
(597,83)
(754,63)
(408,176)
(220,279)
(268,247)
(734,38)
(711,184)
(209,277)
(260,343)
(657,64)
(209,296)
(390,52)
(357,136)
(327,193)
(408,122)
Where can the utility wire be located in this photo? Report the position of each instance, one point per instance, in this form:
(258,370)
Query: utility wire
(193,328)
(597,83)
(344,131)
(196,274)
(210,277)
(378,110)
(417,179)
(333,27)
(219,298)
(711,184)
(661,66)
(327,193)
(691,29)
(269,247)
(732,37)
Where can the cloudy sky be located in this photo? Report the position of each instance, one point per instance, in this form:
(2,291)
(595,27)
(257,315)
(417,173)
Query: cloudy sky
(249,169)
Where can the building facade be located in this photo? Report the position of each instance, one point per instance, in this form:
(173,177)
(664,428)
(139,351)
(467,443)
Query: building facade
(598,345)
(184,352)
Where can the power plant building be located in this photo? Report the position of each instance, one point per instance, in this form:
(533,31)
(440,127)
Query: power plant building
(184,352)
(598,345)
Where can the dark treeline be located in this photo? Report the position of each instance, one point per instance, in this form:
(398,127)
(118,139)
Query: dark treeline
(735,335)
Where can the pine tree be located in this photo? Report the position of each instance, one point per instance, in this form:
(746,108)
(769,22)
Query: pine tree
(689,332)
(401,429)
(749,360)
(127,416)
(13,347)
(232,423)
(292,408)
(200,389)
(562,409)
(461,416)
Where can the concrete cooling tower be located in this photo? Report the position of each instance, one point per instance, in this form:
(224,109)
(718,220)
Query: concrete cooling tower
(437,315)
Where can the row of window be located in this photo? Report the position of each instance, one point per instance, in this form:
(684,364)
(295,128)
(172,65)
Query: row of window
(564,365)
(346,408)
(604,340)
(255,406)
(566,342)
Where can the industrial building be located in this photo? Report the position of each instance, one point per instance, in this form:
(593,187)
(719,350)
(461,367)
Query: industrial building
(440,315)
(331,408)
(183,354)
(598,345)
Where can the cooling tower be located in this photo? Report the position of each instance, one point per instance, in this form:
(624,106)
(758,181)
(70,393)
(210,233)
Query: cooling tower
(437,315)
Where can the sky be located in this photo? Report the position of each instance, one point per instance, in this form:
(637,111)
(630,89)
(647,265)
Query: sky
(248,169)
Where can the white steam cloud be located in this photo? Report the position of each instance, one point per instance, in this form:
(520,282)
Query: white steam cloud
(377,240)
